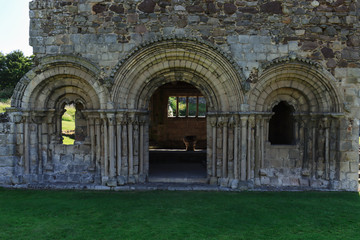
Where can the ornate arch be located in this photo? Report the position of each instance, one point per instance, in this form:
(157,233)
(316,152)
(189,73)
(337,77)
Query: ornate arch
(57,76)
(304,85)
(186,60)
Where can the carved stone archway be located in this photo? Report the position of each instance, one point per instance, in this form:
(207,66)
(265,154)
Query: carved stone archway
(191,61)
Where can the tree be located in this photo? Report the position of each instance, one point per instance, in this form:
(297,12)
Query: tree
(12,67)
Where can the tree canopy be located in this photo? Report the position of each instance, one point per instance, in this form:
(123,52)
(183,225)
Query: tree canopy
(12,67)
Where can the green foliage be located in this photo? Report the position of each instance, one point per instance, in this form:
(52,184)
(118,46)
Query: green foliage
(30,214)
(4,103)
(12,67)
(172,102)
(182,106)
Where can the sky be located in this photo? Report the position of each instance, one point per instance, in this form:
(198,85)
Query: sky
(14,26)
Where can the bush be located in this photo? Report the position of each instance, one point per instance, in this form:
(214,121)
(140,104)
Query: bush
(6,92)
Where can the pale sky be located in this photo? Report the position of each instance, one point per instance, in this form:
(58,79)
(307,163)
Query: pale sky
(14,26)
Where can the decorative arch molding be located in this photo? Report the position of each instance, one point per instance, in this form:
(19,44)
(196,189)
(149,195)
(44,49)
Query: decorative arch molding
(305,85)
(60,74)
(178,60)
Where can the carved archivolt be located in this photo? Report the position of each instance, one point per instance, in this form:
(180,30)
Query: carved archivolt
(56,77)
(207,69)
(304,86)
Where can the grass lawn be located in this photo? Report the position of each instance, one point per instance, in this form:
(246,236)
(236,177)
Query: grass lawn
(28,214)
(67,125)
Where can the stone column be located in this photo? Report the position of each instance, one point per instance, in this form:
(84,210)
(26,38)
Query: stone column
(37,118)
(252,145)
(213,123)
(142,149)
(111,136)
(92,142)
(104,163)
(243,148)
(236,147)
(98,143)
(45,144)
(224,122)
(250,151)
(130,144)
(327,148)
(52,137)
(119,119)
(26,144)
(124,149)
(257,146)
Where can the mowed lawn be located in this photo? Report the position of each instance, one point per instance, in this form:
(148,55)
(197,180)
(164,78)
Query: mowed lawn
(30,214)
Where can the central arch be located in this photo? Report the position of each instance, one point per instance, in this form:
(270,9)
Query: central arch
(197,63)
(194,62)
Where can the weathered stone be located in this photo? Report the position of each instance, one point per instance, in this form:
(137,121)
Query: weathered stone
(252,54)
(331,63)
(118,8)
(331,31)
(327,52)
(99,8)
(271,7)
(147,6)
(248,9)
(229,8)
(354,40)
(211,8)
(309,45)
(194,9)
(140,28)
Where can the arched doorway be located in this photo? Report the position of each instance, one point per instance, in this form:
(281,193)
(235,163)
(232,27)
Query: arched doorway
(177,134)
(199,64)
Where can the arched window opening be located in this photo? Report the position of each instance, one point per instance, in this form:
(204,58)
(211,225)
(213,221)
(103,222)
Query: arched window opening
(281,124)
(68,124)
(73,124)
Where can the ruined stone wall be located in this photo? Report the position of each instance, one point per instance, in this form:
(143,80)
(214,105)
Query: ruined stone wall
(8,158)
(251,31)
(244,56)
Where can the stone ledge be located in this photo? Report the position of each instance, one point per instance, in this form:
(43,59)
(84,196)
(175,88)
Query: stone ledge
(163,187)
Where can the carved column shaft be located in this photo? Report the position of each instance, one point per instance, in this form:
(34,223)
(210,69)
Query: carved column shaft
(130,145)
(26,145)
(236,149)
(111,119)
(39,136)
(249,146)
(104,163)
(92,141)
(118,146)
(98,140)
(327,149)
(141,164)
(243,149)
(225,146)
(213,155)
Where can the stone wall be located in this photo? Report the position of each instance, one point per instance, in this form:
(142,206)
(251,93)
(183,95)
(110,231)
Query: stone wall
(251,31)
(244,57)
(8,158)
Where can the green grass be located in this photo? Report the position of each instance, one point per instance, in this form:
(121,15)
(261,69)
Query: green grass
(66,125)
(68,141)
(27,214)
(4,103)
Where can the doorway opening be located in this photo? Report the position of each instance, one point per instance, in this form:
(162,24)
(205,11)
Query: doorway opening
(177,134)
(281,125)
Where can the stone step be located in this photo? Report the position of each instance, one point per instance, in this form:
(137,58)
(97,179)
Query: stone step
(176,180)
